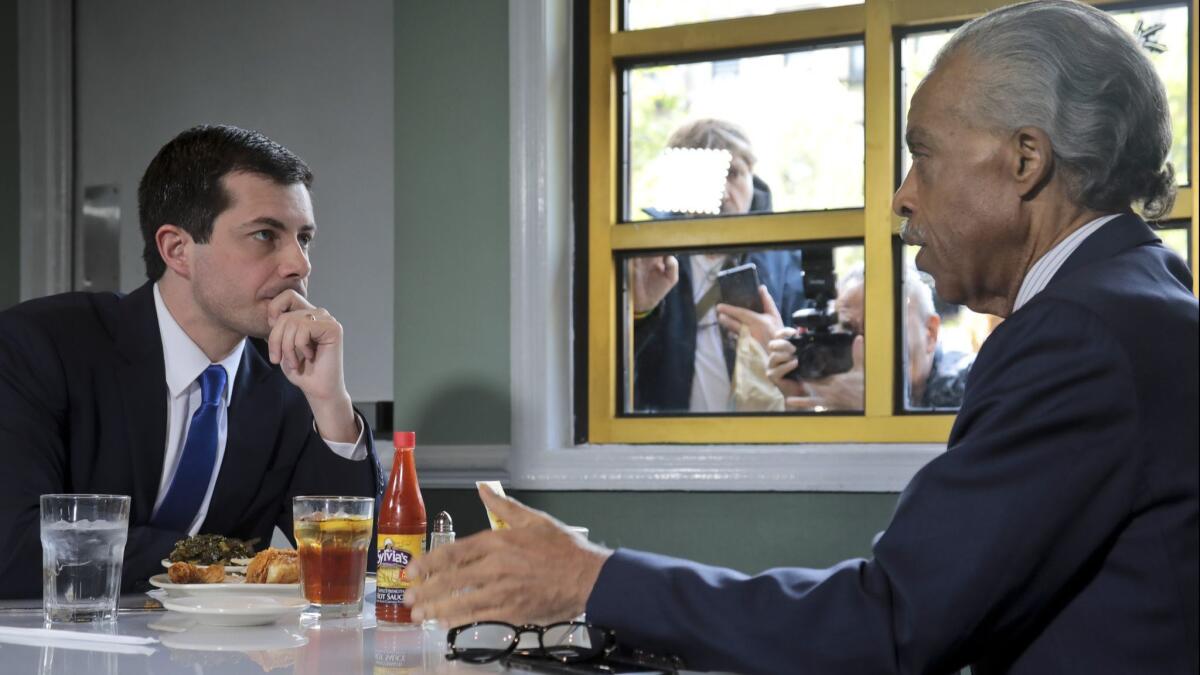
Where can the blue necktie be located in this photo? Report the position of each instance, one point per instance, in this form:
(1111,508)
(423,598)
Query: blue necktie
(195,470)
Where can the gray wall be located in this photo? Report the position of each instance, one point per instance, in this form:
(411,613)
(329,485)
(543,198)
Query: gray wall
(10,171)
(451,290)
(452,300)
(451,264)
(314,75)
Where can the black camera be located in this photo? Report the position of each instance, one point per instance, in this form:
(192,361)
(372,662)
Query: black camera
(820,351)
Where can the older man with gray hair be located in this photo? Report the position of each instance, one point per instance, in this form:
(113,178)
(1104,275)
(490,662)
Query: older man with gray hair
(936,376)
(1058,532)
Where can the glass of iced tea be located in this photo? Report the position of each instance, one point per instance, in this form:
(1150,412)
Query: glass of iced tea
(333,534)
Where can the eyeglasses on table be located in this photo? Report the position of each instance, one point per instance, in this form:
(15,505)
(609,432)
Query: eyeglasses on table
(567,642)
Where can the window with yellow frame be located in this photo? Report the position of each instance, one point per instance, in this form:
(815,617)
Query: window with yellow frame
(742,160)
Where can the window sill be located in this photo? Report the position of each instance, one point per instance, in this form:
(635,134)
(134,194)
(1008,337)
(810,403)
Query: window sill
(840,467)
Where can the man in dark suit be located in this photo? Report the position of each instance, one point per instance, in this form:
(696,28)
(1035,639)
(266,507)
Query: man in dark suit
(1058,532)
(212,394)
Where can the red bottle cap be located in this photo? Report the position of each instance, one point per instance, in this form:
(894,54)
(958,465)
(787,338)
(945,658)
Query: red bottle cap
(404,439)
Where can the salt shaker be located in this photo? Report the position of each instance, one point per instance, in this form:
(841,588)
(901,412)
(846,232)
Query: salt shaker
(442,532)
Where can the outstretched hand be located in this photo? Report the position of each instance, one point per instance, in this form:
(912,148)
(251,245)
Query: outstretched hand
(537,571)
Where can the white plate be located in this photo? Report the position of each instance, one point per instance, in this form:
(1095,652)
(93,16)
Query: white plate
(233,584)
(235,609)
(213,639)
(235,565)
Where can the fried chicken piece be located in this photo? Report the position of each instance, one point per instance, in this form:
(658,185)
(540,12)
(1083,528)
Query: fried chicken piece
(180,572)
(187,573)
(213,574)
(274,566)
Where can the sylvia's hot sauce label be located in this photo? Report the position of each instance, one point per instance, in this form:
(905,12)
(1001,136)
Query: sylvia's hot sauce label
(394,554)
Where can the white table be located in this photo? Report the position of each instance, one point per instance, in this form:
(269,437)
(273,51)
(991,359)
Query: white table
(304,646)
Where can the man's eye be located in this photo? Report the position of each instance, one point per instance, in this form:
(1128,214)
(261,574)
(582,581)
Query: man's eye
(305,240)
(263,235)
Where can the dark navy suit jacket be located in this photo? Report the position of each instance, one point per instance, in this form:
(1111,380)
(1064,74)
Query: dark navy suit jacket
(665,340)
(1057,533)
(83,408)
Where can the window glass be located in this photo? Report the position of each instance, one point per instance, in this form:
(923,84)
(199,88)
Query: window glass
(939,342)
(746,134)
(917,52)
(1164,32)
(700,326)
(1174,236)
(655,13)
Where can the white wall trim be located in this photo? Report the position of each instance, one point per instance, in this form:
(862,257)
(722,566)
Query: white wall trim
(453,466)
(542,456)
(540,235)
(704,468)
(720,468)
(45,118)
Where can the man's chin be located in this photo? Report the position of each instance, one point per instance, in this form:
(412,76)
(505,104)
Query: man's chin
(943,287)
(255,328)
(921,261)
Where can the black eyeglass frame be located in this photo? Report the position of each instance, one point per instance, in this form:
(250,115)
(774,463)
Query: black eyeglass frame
(610,642)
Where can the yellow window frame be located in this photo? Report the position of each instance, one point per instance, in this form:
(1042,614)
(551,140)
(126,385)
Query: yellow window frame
(877,22)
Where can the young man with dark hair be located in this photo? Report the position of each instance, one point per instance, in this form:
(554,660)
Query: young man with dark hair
(211,395)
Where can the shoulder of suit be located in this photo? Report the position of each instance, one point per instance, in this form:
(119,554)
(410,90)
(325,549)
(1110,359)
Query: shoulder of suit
(64,310)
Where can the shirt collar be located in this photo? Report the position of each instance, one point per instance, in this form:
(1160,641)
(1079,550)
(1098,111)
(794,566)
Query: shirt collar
(184,360)
(1043,270)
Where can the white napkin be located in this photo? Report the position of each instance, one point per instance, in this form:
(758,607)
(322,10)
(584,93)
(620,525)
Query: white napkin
(70,639)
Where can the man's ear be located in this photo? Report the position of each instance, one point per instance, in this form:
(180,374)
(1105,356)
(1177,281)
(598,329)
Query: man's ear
(933,326)
(1033,160)
(175,248)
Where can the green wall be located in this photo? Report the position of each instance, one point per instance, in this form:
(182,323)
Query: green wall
(10,170)
(452,318)
(452,214)
(748,531)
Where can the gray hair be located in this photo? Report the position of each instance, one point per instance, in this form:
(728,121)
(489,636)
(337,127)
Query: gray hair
(1072,71)
(916,289)
(715,134)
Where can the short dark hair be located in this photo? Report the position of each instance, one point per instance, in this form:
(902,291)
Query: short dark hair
(182,186)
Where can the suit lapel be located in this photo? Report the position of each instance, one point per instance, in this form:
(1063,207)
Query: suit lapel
(255,411)
(1120,233)
(143,383)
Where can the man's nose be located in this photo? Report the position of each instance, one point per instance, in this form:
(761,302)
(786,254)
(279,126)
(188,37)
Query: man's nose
(294,261)
(904,200)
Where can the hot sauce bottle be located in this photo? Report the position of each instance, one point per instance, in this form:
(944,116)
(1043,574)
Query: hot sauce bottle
(401,533)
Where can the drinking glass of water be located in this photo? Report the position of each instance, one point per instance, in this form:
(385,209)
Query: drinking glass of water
(83,543)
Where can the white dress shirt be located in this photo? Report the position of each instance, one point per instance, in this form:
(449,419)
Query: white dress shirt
(1048,265)
(711,388)
(184,361)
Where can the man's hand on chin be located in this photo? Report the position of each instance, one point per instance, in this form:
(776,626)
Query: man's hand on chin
(306,342)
